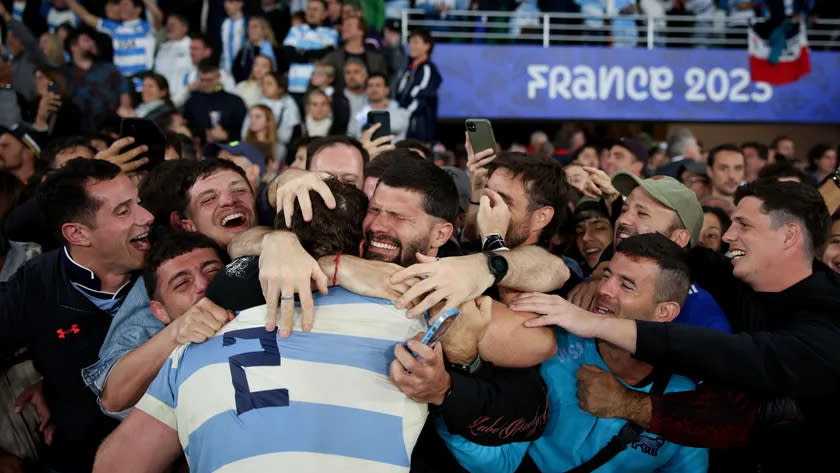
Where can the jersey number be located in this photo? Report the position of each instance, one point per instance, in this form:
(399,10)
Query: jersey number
(269,356)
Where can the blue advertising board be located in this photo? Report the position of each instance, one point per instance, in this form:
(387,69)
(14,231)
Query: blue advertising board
(590,83)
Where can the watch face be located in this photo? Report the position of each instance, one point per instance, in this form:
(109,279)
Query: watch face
(500,265)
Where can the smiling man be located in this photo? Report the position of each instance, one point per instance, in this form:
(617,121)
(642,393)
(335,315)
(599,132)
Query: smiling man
(60,305)
(726,170)
(217,201)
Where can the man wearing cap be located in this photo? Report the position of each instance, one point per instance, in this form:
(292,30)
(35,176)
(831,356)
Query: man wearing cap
(244,155)
(660,204)
(625,155)
(18,151)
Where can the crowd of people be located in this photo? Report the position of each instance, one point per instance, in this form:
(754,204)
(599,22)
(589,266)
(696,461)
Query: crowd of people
(259,298)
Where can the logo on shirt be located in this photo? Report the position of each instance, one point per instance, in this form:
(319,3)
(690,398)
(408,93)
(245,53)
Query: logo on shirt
(649,445)
(237,267)
(573,352)
(74,329)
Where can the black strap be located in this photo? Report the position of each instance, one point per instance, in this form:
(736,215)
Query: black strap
(629,433)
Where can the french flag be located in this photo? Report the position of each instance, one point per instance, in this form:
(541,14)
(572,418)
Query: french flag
(783,57)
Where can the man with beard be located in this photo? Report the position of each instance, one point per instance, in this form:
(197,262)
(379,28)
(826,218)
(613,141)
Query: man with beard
(60,305)
(726,171)
(97,88)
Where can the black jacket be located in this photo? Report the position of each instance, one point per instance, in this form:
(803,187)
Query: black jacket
(64,331)
(786,344)
(417,93)
(198,107)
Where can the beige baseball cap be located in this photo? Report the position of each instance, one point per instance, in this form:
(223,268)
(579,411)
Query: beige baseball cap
(670,193)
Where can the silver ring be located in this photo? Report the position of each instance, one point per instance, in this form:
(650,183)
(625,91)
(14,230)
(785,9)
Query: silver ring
(287,298)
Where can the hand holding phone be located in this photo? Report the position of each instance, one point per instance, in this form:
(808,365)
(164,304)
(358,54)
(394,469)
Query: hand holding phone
(438,329)
(481,134)
(145,133)
(383,117)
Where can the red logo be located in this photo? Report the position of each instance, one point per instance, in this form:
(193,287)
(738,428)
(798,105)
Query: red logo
(63,333)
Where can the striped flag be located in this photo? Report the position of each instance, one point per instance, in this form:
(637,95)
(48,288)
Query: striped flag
(781,58)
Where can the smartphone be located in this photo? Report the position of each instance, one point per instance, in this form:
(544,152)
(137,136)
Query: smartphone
(438,329)
(145,132)
(52,87)
(379,116)
(481,134)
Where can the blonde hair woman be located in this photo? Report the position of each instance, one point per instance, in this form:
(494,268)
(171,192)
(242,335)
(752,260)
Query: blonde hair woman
(251,90)
(262,133)
(283,108)
(261,41)
(53,49)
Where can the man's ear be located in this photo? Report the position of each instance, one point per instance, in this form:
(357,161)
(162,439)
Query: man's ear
(175,220)
(793,235)
(160,312)
(541,218)
(441,233)
(187,225)
(681,237)
(666,311)
(76,234)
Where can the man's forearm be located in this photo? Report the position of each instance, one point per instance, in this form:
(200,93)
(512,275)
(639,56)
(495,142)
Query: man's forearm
(135,371)
(248,243)
(533,269)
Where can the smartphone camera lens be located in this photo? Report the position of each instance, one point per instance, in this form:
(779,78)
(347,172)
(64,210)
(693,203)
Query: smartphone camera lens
(471,126)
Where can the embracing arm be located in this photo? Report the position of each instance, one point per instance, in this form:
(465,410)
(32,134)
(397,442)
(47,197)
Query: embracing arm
(248,243)
(141,444)
(533,269)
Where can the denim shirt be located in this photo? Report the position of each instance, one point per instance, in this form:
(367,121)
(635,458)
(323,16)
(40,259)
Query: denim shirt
(133,325)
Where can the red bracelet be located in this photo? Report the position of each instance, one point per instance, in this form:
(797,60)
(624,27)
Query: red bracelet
(335,272)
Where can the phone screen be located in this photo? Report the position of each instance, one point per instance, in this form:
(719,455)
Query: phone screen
(439,328)
(382,117)
(145,132)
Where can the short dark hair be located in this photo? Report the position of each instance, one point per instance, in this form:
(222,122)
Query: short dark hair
(73,37)
(322,2)
(183,19)
(423,34)
(412,143)
(545,185)
(816,153)
(576,153)
(761,149)
(208,65)
(160,189)
(379,75)
(724,147)
(782,169)
(440,196)
(330,231)
(787,202)
(57,145)
(377,167)
(291,150)
(329,141)
(207,40)
(171,246)
(201,170)
(281,78)
(63,196)
(779,139)
(724,220)
(674,272)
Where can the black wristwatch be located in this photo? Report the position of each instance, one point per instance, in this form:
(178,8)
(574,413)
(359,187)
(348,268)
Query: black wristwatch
(497,264)
(493,242)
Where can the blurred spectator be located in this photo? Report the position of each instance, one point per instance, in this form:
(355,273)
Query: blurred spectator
(155,101)
(318,119)
(173,59)
(353,32)
(586,155)
(593,231)
(250,90)
(279,16)
(785,171)
(831,255)
(201,48)
(681,146)
(625,155)
(417,89)
(285,112)
(782,149)
(261,41)
(755,156)
(576,176)
(97,88)
(296,158)
(25,53)
(726,171)
(18,152)
(704,11)
(378,92)
(212,113)
(657,157)
(51,112)
(234,33)
(355,79)
(715,223)
(133,37)
(323,78)
(392,49)
(537,139)
(334,8)
(741,13)
(822,161)
(308,43)
(53,48)
(694,175)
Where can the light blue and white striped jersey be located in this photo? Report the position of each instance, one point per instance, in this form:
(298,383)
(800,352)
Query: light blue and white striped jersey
(134,45)
(56,18)
(234,35)
(17,10)
(247,400)
(305,38)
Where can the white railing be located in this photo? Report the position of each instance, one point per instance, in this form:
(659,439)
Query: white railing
(617,30)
